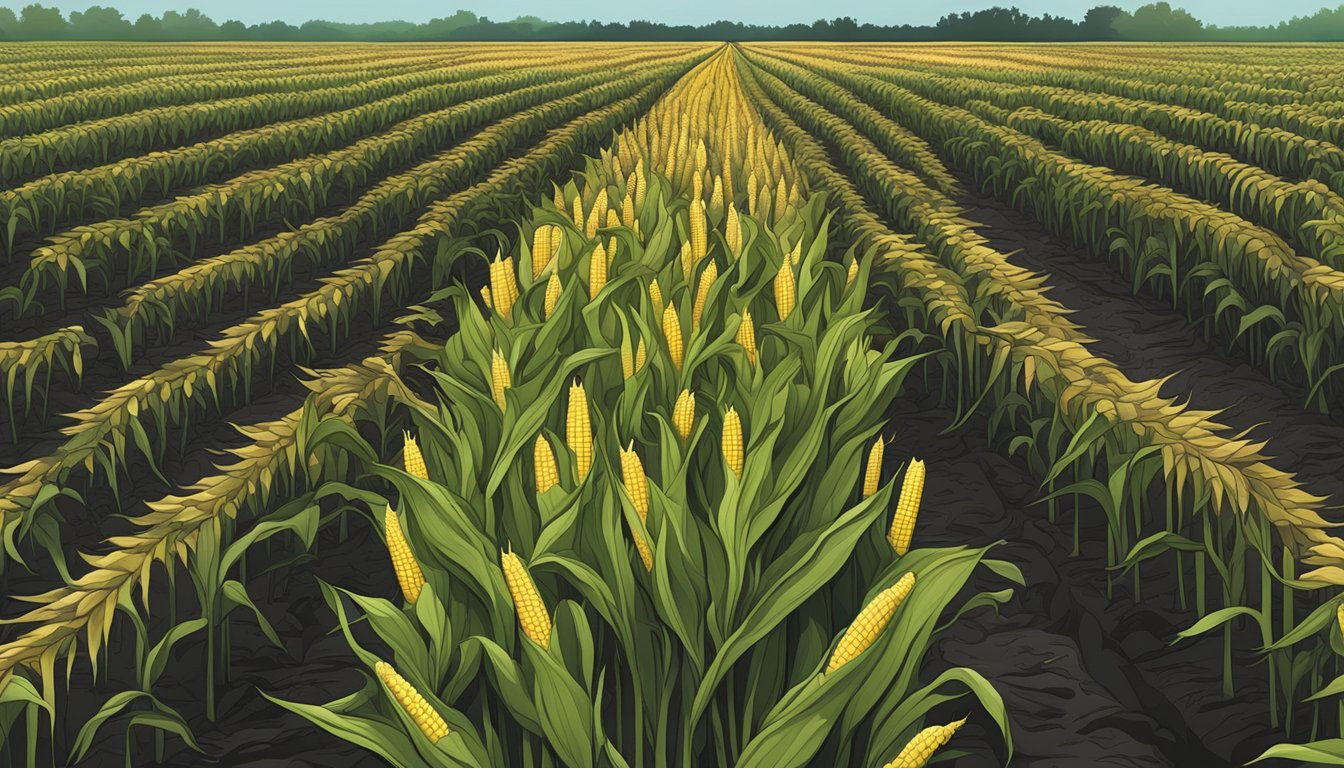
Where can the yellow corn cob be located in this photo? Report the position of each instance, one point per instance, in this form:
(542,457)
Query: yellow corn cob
(746,336)
(716,198)
(707,279)
(533,617)
(786,290)
(559,198)
(699,231)
(613,218)
(628,212)
(701,156)
(853,272)
(656,296)
(541,250)
(781,199)
(590,226)
(907,509)
(733,231)
(579,430)
(553,288)
(425,717)
(683,414)
(641,354)
(795,255)
(637,486)
(597,271)
(412,459)
(697,187)
(627,359)
(499,377)
(611,248)
(577,211)
(872,476)
(543,465)
(870,622)
(751,193)
(503,288)
(672,332)
(485,296)
(687,260)
(598,216)
(641,184)
(733,451)
(404,565)
(917,753)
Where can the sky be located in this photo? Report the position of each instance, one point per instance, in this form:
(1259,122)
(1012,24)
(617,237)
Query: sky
(1220,12)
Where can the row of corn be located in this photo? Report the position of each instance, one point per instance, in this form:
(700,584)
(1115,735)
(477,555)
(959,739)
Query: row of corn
(637,490)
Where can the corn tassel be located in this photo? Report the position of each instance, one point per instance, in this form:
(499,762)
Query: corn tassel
(404,565)
(868,625)
(533,617)
(907,509)
(417,707)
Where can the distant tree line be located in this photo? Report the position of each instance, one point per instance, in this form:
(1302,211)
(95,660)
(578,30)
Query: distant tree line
(1154,22)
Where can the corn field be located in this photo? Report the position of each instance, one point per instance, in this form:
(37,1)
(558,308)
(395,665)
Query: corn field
(630,406)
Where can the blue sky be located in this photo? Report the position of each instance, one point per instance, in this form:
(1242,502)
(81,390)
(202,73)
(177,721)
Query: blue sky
(1222,12)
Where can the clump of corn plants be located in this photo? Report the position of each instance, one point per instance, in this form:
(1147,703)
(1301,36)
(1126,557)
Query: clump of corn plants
(678,560)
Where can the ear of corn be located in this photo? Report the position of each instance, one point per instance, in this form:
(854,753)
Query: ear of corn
(699,231)
(683,414)
(503,285)
(707,279)
(579,430)
(872,475)
(746,336)
(637,487)
(716,198)
(486,297)
(656,297)
(559,197)
(853,272)
(553,289)
(907,508)
(733,231)
(786,291)
(627,359)
(533,618)
(425,717)
(733,450)
(628,212)
(917,753)
(597,271)
(412,459)
(541,250)
(641,184)
(672,333)
(404,565)
(868,625)
(499,377)
(641,355)
(577,211)
(543,465)
(687,260)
